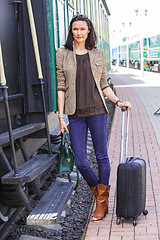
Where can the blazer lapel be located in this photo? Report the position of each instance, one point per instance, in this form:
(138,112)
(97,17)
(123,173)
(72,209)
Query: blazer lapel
(91,56)
(74,57)
(73,64)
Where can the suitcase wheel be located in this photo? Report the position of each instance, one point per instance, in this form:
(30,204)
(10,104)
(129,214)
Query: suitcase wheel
(134,222)
(118,221)
(145,212)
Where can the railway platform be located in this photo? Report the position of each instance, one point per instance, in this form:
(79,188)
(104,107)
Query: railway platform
(144,142)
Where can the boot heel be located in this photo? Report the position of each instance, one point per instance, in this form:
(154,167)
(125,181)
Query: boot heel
(107,208)
(106,211)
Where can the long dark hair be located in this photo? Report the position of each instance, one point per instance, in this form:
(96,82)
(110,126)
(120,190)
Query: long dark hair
(91,41)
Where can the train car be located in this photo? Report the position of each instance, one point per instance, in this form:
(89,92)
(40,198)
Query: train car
(122,53)
(30,33)
(151,54)
(134,54)
(154,53)
(151,50)
(114,56)
(145,54)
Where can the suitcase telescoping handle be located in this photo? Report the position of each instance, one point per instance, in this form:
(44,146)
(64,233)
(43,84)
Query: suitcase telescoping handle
(123,109)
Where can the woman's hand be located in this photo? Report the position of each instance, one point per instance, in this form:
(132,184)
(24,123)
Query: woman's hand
(111,96)
(124,104)
(63,125)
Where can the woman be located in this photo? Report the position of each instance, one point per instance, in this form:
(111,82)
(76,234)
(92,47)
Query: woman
(81,86)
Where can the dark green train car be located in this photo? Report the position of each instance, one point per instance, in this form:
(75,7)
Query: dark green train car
(30,33)
(151,54)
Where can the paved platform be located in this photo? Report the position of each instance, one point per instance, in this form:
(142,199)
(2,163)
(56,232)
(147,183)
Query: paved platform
(144,142)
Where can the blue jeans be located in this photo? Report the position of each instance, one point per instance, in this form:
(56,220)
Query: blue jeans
(78,128)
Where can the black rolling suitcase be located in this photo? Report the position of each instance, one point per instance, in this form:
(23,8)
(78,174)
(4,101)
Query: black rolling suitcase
(131,182)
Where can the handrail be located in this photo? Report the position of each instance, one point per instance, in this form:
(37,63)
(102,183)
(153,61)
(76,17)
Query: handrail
(5,97)
(4,88)
(2,73)
(34,39)
(12,97)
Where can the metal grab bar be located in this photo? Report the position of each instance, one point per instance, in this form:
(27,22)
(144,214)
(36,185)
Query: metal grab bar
(12,97)
(5,98)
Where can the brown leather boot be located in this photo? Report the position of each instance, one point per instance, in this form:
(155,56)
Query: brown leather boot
(101,202)
(94,191)
(95,194)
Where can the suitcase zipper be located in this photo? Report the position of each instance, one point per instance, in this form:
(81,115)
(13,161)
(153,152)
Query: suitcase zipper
(130,160)
(126,195)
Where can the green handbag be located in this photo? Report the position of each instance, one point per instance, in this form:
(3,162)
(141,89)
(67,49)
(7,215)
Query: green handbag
(67,160)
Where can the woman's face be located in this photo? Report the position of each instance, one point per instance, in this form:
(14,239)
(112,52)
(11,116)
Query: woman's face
(80,31)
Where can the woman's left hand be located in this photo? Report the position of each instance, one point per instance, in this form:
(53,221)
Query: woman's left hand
(124,104)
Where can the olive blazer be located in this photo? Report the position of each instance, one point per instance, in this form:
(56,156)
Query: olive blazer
(66,75)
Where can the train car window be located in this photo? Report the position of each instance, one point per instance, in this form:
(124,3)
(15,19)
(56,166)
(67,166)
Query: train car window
(85,7)
(71,2)
(79,6)
(82,7)
(56,24)
(70,14)
(92,16)
(75,11)
(89,9)
(99,20)
(96,15)
(62,29)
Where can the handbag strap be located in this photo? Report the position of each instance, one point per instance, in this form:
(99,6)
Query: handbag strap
(77,171)
(65,138)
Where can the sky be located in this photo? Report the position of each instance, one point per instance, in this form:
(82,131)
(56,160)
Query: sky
(123,13)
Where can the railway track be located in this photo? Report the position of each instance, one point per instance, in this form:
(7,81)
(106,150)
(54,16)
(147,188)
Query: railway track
(6,226)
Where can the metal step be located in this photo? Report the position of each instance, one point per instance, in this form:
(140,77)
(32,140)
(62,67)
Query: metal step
(21,132)
(30,170)
(51,205)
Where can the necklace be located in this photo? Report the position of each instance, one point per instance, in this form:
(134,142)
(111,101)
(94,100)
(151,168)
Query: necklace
(81,52)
